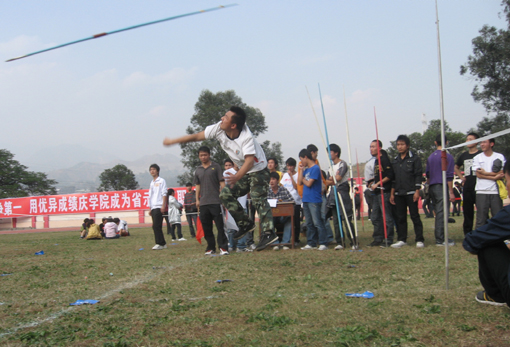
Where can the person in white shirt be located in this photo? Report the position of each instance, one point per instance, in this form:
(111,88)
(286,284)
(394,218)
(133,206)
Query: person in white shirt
(488,166)
(238,142)
(121,226)
(157,203)
(289,180)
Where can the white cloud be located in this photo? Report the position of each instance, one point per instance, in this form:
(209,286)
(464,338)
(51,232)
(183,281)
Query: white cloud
(361,95)
(315,59)
(175,76)
(21,45)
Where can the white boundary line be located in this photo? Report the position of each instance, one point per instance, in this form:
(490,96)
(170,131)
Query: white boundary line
(127,285)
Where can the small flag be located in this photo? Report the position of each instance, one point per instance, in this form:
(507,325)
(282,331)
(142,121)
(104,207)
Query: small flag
(200,231)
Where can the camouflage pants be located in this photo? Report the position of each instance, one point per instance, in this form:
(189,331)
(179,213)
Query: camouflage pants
(255,183)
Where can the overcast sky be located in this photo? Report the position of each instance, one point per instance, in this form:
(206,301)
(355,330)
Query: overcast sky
(122,94)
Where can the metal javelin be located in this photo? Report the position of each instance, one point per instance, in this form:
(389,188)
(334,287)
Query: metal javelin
(124,29)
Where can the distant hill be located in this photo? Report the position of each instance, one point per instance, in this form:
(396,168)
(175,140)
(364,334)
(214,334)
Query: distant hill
(85,175)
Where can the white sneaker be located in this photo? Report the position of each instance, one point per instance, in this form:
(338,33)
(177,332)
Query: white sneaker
(253,246)
(285,248)
(173,240)
(420,244)
(223,252)
(182,239)
(338,247)
(399,244)
(323,247)
(276,248)
(307,247)
(158,247)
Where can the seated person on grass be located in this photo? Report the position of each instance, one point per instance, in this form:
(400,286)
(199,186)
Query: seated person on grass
(488,243)
(83,230)
(94,231)
(281,194)
(122,227)
(101,226)
(110,229)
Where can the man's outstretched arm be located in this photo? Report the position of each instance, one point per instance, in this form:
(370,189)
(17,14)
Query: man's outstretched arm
(184,139)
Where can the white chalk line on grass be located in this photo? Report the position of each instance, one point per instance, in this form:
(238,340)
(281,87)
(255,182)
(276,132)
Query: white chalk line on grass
(127,285)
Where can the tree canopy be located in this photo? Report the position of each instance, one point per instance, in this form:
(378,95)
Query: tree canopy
(490,67)
(16,181)
(423,145)
(209,109)
(118,177)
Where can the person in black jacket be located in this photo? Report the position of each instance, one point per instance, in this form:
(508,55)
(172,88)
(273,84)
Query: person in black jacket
(405,192)
(377,203)
(488,243)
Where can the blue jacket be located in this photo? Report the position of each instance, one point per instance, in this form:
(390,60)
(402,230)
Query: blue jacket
(495,231)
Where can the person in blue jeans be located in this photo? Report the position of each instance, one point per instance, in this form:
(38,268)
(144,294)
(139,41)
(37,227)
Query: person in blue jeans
(311,180)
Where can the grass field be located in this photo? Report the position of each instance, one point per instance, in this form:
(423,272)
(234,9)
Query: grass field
(285,298)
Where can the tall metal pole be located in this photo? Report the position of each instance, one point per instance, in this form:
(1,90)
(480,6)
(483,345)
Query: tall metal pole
(443,156)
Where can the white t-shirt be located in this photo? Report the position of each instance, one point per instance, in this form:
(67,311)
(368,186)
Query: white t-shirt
(485,186)
(123,225)
(369,169)
(157,193)
(238,148)
(287,183)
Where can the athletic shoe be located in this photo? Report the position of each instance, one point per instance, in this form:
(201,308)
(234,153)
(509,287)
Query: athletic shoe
(276,248)
(210,252)
(158,247)
(483,298)
(375,244)
(441,244)
(182,239)
(420,244)
(252,247)
(323,248)
(285,248)
(385,244)
(354,247)
(243,231)
(399,244)
(244,250)
(266,239)
(173,240)
(307,247)
(223,252)
(231,249)
(338,247)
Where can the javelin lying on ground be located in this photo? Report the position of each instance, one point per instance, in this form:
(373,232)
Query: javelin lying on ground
(125,29)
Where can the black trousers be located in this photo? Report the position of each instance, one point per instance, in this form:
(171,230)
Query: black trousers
(208,214)
(402,203)
(493,266)
(157,226)
(297,222)
(469,201)
(192,218)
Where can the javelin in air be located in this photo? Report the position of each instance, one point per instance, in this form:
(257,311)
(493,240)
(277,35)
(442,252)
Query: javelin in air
(124,29)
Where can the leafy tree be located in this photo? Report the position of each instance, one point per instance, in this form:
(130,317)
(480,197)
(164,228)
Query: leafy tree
(118,177)
(423,145)
(209,109)
(490,66)
(491,125)
(16,181)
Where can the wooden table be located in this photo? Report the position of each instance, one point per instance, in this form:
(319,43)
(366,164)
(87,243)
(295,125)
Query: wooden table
(284,209)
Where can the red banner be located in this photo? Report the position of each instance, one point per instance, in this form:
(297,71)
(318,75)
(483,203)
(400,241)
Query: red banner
(126,200)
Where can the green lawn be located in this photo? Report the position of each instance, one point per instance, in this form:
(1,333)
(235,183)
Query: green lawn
(284,298)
